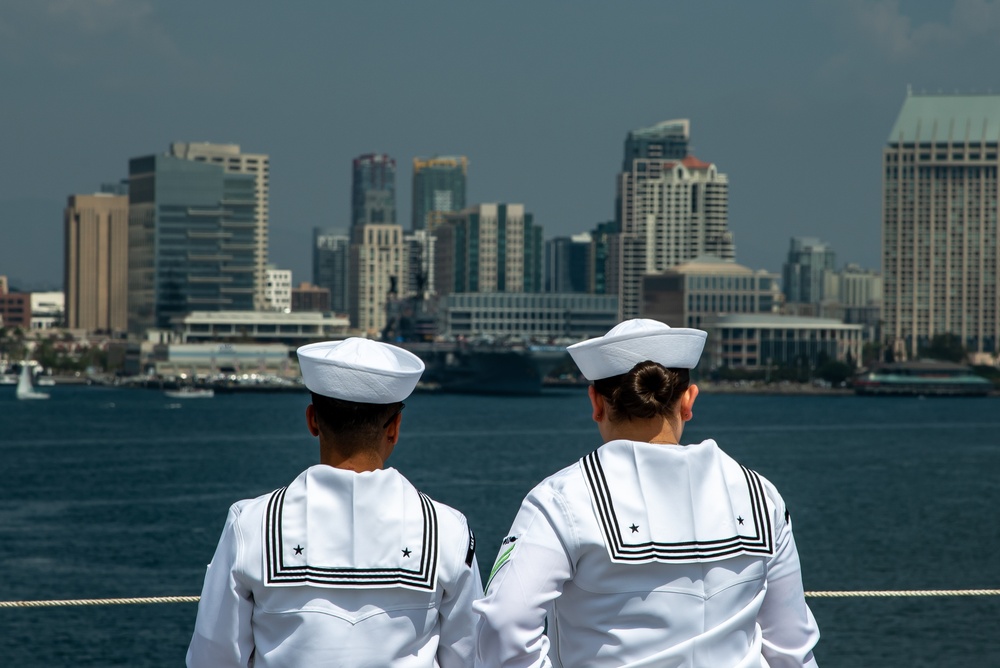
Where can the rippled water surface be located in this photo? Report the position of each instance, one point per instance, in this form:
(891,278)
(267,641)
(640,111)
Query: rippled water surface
(122,493)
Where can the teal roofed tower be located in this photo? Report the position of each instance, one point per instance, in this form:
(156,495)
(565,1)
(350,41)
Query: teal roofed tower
(942,118)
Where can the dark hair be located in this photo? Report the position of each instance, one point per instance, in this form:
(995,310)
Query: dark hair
(355,426)
(648,390)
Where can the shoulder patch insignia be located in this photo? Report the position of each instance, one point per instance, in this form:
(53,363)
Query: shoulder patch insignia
(472,549)
(506,550)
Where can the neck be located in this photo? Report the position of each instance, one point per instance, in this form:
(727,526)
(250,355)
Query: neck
(359,462)
(653,430)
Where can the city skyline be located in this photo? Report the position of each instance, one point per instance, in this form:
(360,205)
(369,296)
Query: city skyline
(798,126)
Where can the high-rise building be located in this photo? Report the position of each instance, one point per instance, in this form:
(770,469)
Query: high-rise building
(489,248)
(331,266)
(940,250)
(193,240)
(373,190)
(808,261)
(258,165)
(95,267)
(378,269)
(438,188)
(667,140)
(568,263)
(4,288)
(670,210)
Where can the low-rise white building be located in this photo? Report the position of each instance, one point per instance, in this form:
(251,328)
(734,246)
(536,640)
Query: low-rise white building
(758,341)
(259,326)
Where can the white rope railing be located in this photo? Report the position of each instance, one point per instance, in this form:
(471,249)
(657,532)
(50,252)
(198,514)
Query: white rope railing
(864,593)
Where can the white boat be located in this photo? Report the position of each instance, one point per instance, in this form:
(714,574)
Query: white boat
(8,379)
(45,381)
(190,393)
(25,386)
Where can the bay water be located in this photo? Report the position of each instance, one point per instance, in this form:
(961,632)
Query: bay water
(122,493)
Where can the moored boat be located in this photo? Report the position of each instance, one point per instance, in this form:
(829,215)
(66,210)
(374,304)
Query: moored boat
(922,378)
(190,393)
(26,386)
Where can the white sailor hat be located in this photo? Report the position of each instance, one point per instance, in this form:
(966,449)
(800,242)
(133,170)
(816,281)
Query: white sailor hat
(360,370)
(634,341)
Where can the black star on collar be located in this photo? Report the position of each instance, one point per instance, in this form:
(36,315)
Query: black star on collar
(634,528)
(740,520)
(298,549)
(406,552)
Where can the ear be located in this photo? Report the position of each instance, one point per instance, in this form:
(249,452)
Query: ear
(312,422)
(597,403)
(687,402)
(392,431)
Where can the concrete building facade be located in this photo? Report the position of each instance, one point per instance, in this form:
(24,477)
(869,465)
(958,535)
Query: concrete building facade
(693,293)
(757,341)
(488,248)
(278,289)
(378,267)
(95,262)
(940,250)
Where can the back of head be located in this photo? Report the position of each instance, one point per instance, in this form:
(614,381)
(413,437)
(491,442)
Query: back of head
(642,367)
(351,425)
(647,390)
(357,385)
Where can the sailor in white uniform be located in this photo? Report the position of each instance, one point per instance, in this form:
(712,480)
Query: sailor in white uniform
(349,565)
(647,552)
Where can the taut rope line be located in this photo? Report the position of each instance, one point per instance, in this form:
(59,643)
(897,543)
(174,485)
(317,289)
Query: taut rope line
(864,593)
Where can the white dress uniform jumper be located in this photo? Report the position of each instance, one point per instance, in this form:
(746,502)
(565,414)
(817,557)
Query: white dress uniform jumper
(342,568)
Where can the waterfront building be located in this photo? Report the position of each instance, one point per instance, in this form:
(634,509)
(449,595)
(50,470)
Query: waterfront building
(15,310)
(568,263)
(48,310)
(208,360)
(260,326)
(939,223)
(378,267)
(373,190)
(278,289)
(331,266)
(694,292)
(95,266)
(670,210)
(193,239)
(438,188)
(528,316)
(257,165)
(808,262)
(309,297)
(760,341)
(488,248)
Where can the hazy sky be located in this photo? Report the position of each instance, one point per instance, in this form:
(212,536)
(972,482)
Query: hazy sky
(793,100)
